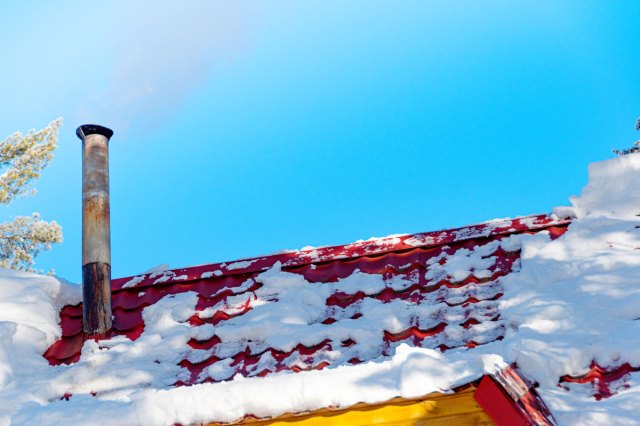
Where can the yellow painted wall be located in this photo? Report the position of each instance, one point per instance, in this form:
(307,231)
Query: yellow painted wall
(436,409)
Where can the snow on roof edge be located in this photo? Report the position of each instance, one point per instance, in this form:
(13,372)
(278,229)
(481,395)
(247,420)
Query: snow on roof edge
(356,249)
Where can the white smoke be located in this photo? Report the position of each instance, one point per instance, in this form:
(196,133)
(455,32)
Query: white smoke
(163,52)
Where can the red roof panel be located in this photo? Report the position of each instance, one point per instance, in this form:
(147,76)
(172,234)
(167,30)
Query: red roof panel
(465,309)
(602,382)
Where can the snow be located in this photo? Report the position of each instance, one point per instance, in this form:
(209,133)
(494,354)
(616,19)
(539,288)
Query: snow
(612,189)
(302,391)
(158,268)
(29,307)
(277,321)
(574,300)
(133,281)
(241,264)
(465,262)
(163,276)
(209,274)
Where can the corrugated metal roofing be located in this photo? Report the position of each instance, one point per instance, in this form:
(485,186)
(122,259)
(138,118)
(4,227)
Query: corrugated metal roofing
(601,382)
(467,312)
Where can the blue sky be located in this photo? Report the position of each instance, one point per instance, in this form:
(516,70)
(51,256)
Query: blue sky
(243,128)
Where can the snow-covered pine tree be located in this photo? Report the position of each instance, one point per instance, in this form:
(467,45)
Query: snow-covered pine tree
(634,148)
(22,157)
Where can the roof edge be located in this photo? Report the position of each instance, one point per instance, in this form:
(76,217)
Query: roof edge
(372,247)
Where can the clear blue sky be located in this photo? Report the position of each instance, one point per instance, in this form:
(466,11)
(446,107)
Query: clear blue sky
(243,128)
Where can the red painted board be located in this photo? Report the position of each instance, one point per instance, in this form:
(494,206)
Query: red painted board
(503,410)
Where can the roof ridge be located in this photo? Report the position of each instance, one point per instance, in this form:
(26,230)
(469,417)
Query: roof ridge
(371,247)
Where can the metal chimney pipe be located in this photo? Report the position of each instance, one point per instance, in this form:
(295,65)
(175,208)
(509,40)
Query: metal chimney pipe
(96,229)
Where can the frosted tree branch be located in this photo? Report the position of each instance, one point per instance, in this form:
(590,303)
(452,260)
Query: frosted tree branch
(22,158)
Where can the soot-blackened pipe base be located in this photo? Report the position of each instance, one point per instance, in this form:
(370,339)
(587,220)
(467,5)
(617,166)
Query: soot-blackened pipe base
(96,301)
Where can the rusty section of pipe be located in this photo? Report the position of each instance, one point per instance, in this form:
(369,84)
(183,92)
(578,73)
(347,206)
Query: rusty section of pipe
(96,229)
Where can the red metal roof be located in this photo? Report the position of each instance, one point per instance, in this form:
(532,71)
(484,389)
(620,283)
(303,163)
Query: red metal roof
(601,382)
(472,300)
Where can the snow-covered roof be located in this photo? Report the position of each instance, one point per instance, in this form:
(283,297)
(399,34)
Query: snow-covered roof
(399,316)
(325,307)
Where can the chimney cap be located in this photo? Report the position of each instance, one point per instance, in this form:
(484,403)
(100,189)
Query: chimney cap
(93,129)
